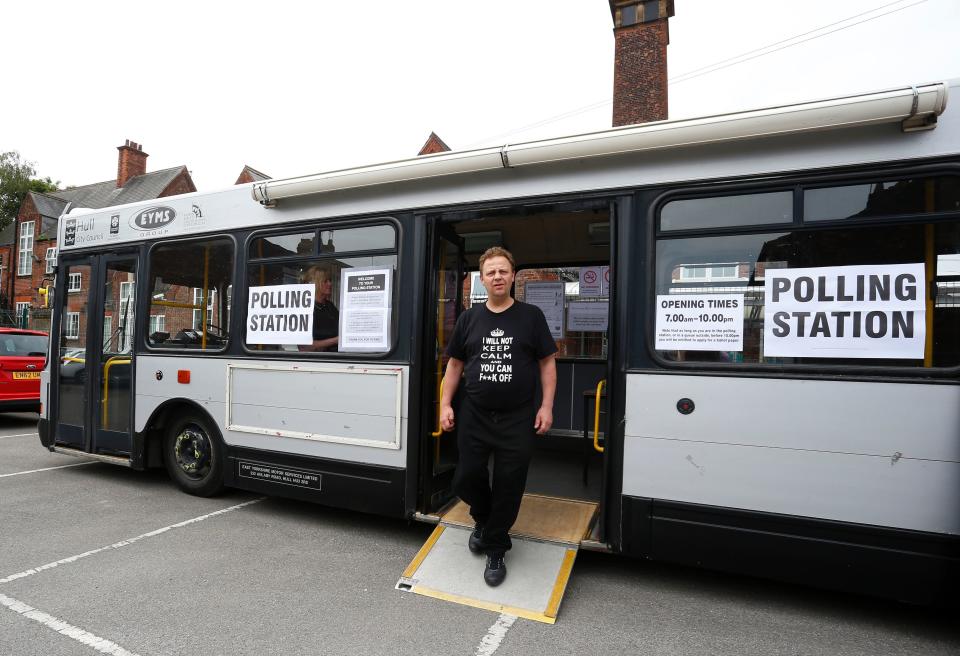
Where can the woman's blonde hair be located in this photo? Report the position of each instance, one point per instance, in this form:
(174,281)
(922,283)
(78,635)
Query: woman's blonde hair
(316,274)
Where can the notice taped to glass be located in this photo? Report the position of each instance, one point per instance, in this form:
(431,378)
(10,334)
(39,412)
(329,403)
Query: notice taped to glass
(365,307)
(281,475)
(700,322)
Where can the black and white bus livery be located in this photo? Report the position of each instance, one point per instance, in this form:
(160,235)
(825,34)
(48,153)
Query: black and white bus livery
(766,303)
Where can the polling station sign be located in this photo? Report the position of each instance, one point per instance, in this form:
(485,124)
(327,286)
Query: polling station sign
(873,311)
(280,314)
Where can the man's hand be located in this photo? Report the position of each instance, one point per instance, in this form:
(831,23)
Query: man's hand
(447,421)
(544,420)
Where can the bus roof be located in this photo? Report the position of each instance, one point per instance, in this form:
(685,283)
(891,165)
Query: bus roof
(843,131)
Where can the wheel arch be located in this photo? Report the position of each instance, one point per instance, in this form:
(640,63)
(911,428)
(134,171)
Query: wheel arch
(160,420)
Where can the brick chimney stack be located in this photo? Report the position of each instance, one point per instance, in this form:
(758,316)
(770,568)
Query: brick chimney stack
(640,63)
(132,162)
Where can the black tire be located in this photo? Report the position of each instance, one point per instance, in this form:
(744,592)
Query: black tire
(193,454)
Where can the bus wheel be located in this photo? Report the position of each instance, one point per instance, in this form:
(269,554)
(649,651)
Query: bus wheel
(193,455)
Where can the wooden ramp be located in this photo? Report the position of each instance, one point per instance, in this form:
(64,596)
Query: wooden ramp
(546,538)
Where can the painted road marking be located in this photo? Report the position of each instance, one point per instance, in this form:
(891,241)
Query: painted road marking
(491,642)
(34,471)
(102,645)
(33,434)
(124,543)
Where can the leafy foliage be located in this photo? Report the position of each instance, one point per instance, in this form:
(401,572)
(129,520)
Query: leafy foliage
(17,177)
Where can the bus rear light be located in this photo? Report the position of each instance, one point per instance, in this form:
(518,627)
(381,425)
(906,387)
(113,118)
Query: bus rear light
(183,376)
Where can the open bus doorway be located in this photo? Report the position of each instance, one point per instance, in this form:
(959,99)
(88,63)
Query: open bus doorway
(563,255)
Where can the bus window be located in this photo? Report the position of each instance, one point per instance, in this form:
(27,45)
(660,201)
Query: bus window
(583,331)
(318,258)
(736,266)
(190,285)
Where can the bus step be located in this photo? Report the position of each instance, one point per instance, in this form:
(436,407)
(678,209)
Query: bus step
(113,460)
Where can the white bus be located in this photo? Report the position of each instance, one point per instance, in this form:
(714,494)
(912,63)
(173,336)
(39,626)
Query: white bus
(767,304)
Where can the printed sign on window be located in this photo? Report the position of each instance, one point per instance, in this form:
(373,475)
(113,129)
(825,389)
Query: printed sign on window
(549,297)
(699,322)
(280,314)
(874,311)
(365,307)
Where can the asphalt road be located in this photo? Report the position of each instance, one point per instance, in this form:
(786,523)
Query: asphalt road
(100,559)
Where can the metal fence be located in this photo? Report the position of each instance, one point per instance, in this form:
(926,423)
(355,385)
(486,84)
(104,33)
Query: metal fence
(29,318)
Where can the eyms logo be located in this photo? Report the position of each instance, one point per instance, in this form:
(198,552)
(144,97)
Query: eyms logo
(153,218)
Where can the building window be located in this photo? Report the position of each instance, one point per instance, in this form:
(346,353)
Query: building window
(25,249)
(75,282)
(73,325)
(107,331)
(157,323)
(51,259)
(23,313)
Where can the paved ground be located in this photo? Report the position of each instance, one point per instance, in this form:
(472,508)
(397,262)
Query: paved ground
(144,569)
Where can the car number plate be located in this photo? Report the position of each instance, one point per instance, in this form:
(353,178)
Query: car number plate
(26,374)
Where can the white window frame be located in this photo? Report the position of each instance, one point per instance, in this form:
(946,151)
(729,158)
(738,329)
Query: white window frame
(25,249)
(73,325)
(107,330)
(127,290)
(19,310)
(51,259)
(158,323)
(75,277)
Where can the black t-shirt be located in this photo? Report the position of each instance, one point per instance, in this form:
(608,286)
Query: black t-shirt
(501,351)
(326,321)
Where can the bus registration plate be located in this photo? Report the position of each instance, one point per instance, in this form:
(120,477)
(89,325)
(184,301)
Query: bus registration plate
(17,375)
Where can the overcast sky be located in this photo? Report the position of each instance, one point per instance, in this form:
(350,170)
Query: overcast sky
(293,88)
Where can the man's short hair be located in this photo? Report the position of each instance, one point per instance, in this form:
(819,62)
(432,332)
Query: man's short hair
(497,251)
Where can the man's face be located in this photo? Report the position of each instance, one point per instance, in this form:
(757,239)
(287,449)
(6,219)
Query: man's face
(497,277)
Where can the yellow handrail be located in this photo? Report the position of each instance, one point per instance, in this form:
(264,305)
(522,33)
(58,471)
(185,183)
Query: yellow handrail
(596,418)
(175,304)
(206,293)
(117,359)
(439,431)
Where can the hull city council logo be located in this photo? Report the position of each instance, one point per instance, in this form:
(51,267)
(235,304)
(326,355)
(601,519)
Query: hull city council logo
(153,219)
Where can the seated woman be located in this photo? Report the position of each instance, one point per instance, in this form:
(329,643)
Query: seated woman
(326,317)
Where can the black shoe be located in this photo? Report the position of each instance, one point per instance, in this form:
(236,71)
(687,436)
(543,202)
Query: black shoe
(496,570)
(475,543)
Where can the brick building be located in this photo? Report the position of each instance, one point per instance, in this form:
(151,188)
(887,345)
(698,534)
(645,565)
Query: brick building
(28,253)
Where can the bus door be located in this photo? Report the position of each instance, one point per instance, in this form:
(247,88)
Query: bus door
(439,453)
(94,373)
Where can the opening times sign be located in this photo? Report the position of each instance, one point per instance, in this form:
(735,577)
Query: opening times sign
(699,322)
(876,311)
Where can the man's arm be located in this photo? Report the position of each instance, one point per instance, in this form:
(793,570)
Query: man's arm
(451,381)
(548,385)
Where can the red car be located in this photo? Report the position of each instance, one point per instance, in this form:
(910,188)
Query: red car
(23,354)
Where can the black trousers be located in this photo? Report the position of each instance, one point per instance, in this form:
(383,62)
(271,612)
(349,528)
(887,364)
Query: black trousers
(509,436)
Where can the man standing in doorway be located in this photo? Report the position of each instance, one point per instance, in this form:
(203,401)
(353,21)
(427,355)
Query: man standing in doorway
(501,346)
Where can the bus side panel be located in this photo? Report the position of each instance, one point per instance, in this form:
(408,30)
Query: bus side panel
(797,475)
(334,433)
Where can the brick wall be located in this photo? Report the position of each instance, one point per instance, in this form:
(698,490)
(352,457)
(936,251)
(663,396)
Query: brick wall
(182,184)
(640,73)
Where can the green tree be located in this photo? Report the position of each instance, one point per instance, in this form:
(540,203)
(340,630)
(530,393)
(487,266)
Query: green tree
(17,177)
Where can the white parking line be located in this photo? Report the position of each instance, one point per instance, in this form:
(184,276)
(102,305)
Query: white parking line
(33,434)
(124,543)
(102,645)
(491,641)
(34,471)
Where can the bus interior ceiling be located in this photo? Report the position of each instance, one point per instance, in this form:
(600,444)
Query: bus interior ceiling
(543,238)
